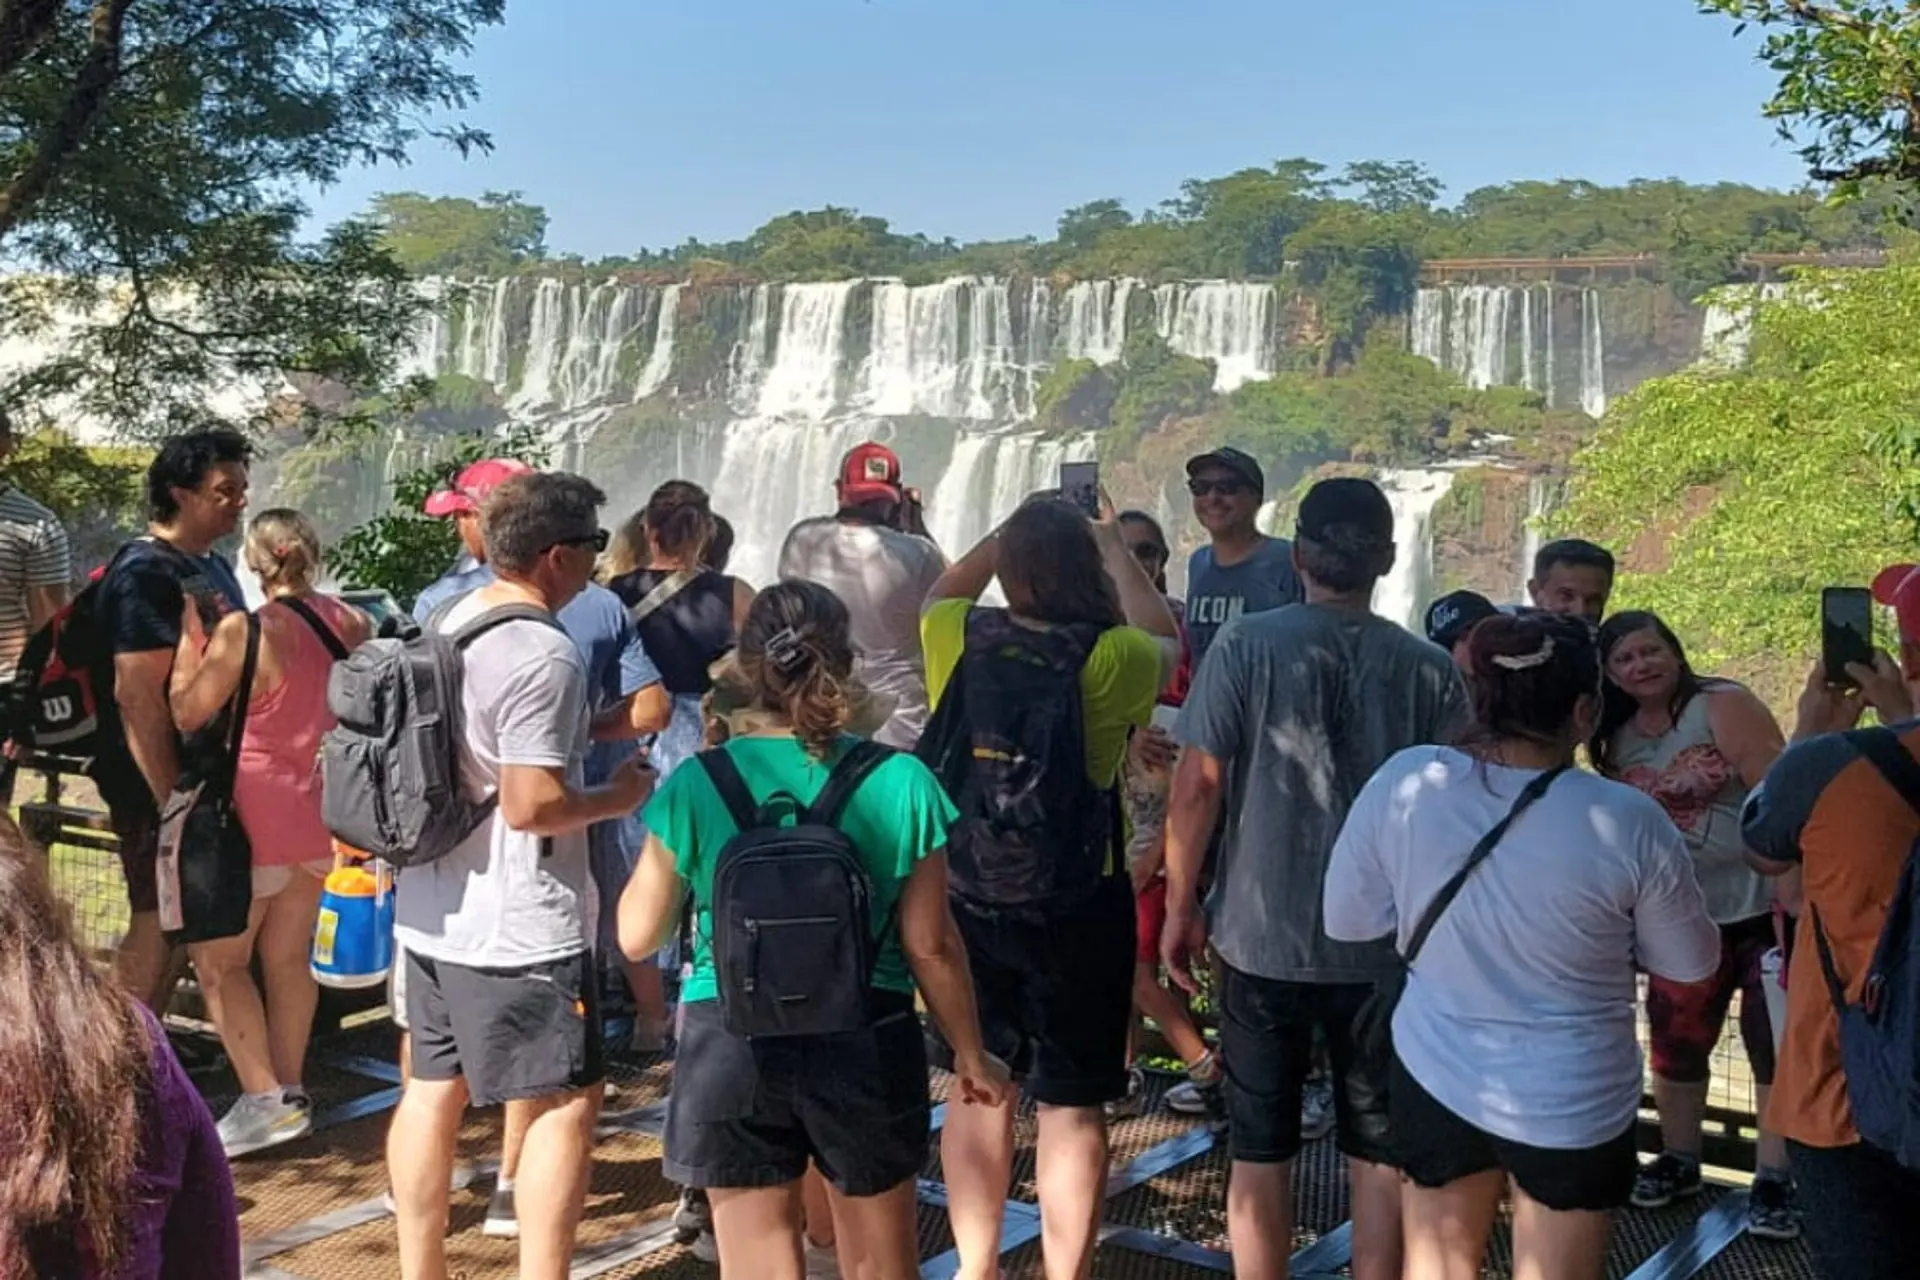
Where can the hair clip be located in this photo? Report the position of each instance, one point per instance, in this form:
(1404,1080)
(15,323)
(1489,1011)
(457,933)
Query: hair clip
(786,651)
(1526,661)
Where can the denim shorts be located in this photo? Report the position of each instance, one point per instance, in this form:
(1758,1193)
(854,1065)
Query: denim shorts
(751,1113)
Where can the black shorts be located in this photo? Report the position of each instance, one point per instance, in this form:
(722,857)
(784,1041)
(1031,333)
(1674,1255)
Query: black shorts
(1056,995)
(1266,1046)
(1434,1147)
(751,1113)
(512,1033)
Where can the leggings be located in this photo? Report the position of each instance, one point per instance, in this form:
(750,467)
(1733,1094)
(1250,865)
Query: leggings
(1685,1019)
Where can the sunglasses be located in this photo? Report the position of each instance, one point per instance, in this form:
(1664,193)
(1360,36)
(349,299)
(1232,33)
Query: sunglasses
(598,540)
(1225,488)
(1148,552)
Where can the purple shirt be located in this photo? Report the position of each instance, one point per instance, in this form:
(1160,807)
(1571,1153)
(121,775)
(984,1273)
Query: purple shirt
(183,1223)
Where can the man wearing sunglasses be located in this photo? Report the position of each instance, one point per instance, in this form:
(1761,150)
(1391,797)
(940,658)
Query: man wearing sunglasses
(497,935)
(1241,570)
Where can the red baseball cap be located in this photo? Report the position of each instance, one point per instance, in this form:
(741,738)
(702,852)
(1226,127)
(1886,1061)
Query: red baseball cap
(869,473)
(473,484)
(1898,587)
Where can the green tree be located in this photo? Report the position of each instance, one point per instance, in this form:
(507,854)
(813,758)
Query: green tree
(1849,83)
(148,152)
(451,236)
(1736,496)
(1361,264)
(1402,186)
(403,550)
(1157,384)
(1082,225)
(99,493)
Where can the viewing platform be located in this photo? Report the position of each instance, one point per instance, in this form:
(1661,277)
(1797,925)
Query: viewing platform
(1640,266)
(314,1209)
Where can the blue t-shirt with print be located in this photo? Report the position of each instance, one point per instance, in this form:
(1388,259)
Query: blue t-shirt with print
(1217,594)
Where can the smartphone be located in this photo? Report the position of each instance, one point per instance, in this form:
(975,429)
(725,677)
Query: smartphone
(1080,485)
(1846,632)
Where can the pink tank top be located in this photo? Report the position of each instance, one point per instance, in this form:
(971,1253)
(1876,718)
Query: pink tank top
(277,789)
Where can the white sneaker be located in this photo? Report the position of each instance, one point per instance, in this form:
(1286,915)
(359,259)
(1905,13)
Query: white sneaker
(256,1123)
(705,1247)
(822,1262)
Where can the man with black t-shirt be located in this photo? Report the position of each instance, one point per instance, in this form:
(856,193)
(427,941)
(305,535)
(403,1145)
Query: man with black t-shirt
(196,493)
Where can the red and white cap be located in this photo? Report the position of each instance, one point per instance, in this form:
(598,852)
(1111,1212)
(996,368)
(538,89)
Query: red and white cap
(1898,587)
(472,485)
(869,473)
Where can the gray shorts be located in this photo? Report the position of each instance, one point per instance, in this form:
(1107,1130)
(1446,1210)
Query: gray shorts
(527,1032)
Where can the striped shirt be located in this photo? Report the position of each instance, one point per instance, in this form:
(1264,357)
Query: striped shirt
(33,553)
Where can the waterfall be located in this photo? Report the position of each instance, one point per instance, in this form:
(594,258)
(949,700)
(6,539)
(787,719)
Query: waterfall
(1227,322)
(1593,357)
(1095,325)
(1475,331)
(804,380)
(1726,334)
(747,364)
(1404,594)
(1537,492)
(660,359)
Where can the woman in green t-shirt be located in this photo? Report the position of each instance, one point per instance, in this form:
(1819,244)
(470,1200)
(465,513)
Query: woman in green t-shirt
(747,1115)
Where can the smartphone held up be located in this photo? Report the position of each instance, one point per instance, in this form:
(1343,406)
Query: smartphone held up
(1080,485)
(1846,633)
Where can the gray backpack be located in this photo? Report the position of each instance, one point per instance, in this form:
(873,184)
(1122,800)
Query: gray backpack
(390,769)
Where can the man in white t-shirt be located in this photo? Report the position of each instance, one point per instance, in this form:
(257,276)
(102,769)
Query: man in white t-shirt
(875,555)
(36,565)
(497,935)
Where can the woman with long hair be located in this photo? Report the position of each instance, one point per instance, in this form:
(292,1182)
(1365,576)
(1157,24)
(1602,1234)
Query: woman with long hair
(277,793)
(746,1115)
(1698,746)
(1514,1057)
(1046,910)
(687,613)
(110,1168)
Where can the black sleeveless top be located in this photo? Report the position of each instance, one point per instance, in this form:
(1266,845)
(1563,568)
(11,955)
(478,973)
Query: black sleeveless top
(686,634)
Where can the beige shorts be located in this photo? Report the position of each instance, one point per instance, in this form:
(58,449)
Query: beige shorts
(269,882)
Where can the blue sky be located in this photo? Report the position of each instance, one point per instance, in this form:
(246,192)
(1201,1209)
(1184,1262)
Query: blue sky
(641,122)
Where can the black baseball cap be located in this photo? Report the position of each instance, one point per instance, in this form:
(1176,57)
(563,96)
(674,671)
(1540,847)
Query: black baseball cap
(1451,616)
(1241,464)
(1346,513)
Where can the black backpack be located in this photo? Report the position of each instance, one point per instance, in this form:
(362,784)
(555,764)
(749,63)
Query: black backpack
(58,701)
(793,942)
(1009,743)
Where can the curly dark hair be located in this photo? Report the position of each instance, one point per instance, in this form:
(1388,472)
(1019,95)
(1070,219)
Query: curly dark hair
(184,461)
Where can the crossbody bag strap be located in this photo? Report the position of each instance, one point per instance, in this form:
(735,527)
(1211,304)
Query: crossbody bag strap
(243,695)
(671,586)
(1451,890)
(334,644)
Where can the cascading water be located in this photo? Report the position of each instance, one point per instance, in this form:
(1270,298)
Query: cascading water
(1228,322)
(1404,594)
(1506,335)
(1538,491)
(1726,335)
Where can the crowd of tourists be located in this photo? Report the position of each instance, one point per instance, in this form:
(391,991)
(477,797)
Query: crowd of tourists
(1429,881)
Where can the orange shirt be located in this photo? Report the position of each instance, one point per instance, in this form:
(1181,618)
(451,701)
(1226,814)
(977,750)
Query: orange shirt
(1827,808)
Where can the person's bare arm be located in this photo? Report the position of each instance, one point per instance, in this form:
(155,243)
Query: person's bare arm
(742,601)
(44,602)
(1745,732)
(140,693)
(206,673)
(649,910)
(1199,785)
(537,800)
(938,958)
(1140,601)
(635,716)
(968,576)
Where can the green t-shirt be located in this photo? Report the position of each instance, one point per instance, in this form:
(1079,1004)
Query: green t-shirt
(899,815)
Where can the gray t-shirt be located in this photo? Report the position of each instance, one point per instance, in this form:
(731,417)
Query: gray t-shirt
(503,899)
(1304,704)
(882,576)
(1217,594)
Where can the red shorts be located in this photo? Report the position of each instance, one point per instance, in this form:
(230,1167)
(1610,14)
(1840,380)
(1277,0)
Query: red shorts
(1149,919)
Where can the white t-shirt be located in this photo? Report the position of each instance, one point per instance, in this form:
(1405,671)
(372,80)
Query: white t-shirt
(495,901)
(882,576)
(1519,1013)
